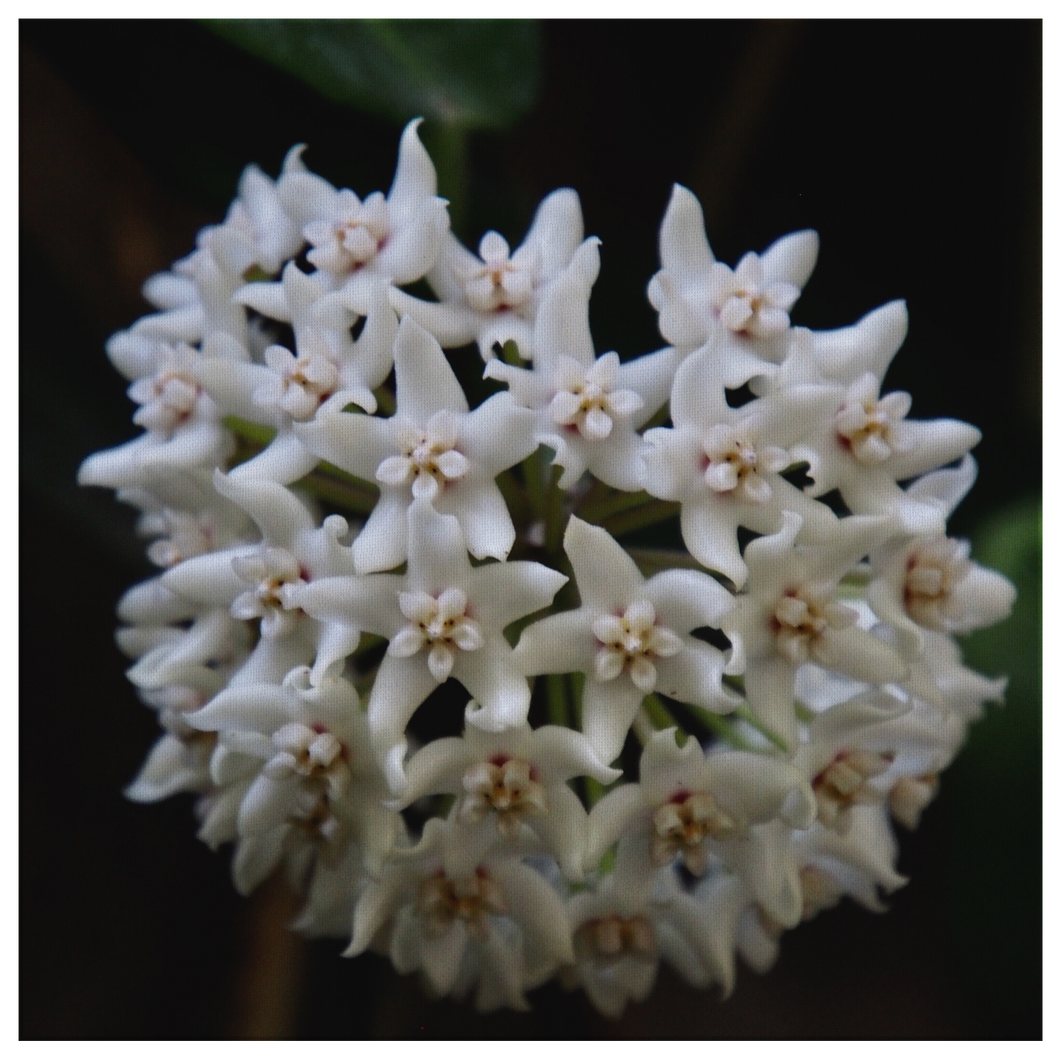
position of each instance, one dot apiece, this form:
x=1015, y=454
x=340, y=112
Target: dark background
x=912, y=147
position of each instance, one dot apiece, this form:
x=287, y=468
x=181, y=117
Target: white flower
x=251, y=581
x=698, y=297
x=864, y=446
x=183, y=425
x=931, y=583
x=631, y=636
x=724, y=464
x=358, y=245
x=443, y=618
x=432, y=448
x=513, y=782
x=621, y=931
x=257, y=229
x=464, y=915
x=790, y=615
x=731, y=809
x=314, y=761
x=588, y=409
x=493, y=298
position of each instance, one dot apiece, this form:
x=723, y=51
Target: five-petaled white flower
x=432, y=448
x=631, y=636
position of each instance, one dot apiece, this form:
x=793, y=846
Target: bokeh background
x=914, y=148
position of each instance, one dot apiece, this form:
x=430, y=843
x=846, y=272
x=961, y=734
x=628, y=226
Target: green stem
x=744, y=714
x=385, y=400
x=594, y=791
x=510, y=354
x=557, y=691
x=651, y=560
x=658, y=714
x=596, y=493
x=612, y=503
x=554, y=522
x=448, y=149
x=639, y=518
x=515, y=497
x=853, y=587
x=249, y=431
x=342, y=494
x=721, y=727
x=532, y=468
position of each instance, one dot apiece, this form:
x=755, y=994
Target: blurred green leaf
x=994, y=790
x=470, y=73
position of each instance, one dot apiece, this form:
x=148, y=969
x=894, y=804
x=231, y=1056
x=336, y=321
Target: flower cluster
x=659, y=753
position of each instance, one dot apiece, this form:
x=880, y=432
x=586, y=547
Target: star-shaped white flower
x=444, y=618
x=699, y=298
x=257, y=230
x=631, y=636
x=466, y=916
x=588, y=409
x=514, y=782
x=182, y=424
x=358, y=245
x=432, y=448
x=314, y=758
x=723, y=464
x=251, y=581
x=493, y=297
x=621, y=932
x=789, y=614
x=690, y=805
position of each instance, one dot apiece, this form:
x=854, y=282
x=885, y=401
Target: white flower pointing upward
x=358, y=245
x=494, y=297
x=326, y=371
x=432, y=448
x=698, y=297
x=588, y=408
x=724, y=464
x=789, y=615
x=631, y=636
x=443, y=618
x=251, y=581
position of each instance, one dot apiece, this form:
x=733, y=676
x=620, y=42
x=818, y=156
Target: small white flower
x=443, y=618
x=466, y=915
x=724, y=464
x=588, y=409
x=699, y=298
x=630, y=636
x=433, y=448
x=358, y=245
x=790, y=614
x=494, y=297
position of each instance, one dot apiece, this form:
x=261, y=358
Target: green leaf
x=993, y=792
x=474, y=73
